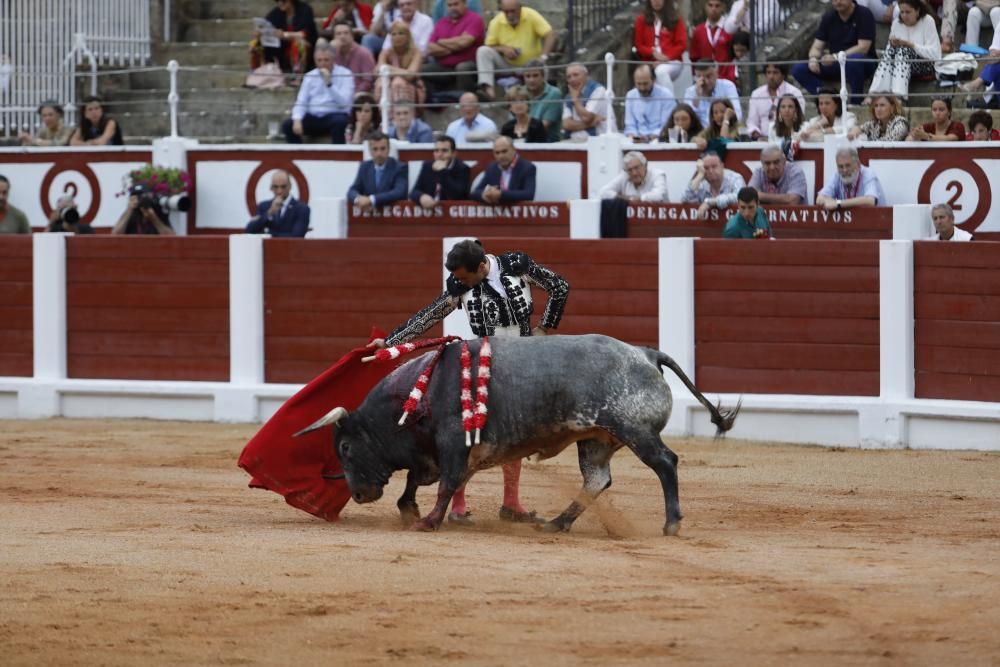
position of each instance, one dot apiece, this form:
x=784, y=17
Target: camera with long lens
x=148, y=200
x=66, y=208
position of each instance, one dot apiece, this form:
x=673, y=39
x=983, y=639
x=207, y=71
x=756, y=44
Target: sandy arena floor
x=138, y=543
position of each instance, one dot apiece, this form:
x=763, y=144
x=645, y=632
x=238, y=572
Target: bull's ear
x=332, y=417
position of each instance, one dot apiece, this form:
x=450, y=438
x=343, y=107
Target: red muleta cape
x=299, y=468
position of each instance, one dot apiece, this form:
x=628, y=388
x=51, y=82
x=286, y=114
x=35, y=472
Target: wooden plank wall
x=322, y=298
x=957, y=320
x=16, y=325
x=613, y=284
x=795, y=317
x=148, y=308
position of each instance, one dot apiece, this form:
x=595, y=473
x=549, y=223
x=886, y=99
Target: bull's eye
x=345, y=448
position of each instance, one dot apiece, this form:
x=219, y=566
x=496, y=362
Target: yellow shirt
x=527, y=36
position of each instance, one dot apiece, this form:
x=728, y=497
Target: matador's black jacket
x=489, y=310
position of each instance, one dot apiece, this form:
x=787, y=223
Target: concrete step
x=214, y=77
x=223, y=54
x=216, y=30
x=220, y=101
x=223, y=9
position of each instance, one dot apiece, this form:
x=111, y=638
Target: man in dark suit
x=282, y=216
x=443, y=178
x=509, y=178
x=381, y=180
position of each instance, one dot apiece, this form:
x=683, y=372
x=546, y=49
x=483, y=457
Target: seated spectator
x=296, y=27
x=283, y=215
x=710, y=42
x=887, y=122
x=65, y=218
x=981, y=127
x=510, y=178
x=471, y=125
x=143, y=215
x=638, y=182
x=707, y=87
x=586, y=109
x=357, y=16
x=53, y=131
x=988, y=80
x=778, y=181
x=384, y=14
x=763, y=105
x=683, y=126
x=515, y=36
x=786, y=127
x=944, y=225
x=444, y=178
x=712, y=186
x=767, y=15
x=407, y=127
x=750, y=221
x=96, y=127
x=404, y=61
x=522, y=125
x=452, y=48
x=832, y=118
x=381, y=180
x=366, y=117
x=324, y=101
x=884, y=11
x=660, y=37
x=974, y=20
x=942, y=128
x=913, y=48
x=439, y=10
x=546, y=100
x=721, y=129
x=12, y=219
x=854, y=185
x=357, y=59
x=420, y=26
x=845, y=27
x=646, y=106
x=739, y=55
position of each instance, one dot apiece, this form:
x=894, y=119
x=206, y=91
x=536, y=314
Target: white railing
x=117, y=30
x=43, y=41
x=35, y=36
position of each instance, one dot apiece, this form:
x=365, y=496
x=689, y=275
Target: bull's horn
x=331, y=417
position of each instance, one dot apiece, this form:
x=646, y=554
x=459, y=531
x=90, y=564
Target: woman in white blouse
x=832, y=118
x=913, y=47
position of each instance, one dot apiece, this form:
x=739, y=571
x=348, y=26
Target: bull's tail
x=723, y=419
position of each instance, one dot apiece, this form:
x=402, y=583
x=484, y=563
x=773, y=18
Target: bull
x=545, y=393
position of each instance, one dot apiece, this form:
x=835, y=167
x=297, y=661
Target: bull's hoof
x=424, y=526
x=672, y=529
x=553, y=527
x=461, y=519
x=507, y=514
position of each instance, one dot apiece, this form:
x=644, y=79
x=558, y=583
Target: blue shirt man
x=471, y=125
x=647, y=106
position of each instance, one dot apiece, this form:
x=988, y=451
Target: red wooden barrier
x=795, y=317
x=148, y=308
x=322, y=298
x=17, y=330
x=957, y=320
x=613, y=284
x=787, y=222
x=461, y=218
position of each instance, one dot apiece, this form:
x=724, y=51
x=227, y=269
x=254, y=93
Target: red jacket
x=673, y=44
x=701, y=48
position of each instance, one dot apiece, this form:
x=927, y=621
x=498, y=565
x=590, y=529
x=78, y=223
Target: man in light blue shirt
x=707, y=87
x=647, y=106
x=407, y=127
x=471, y=125
x=323, y=105
x=852, y=186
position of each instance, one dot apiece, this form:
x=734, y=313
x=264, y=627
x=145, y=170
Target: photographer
x=143, y=215
x=66, y=218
